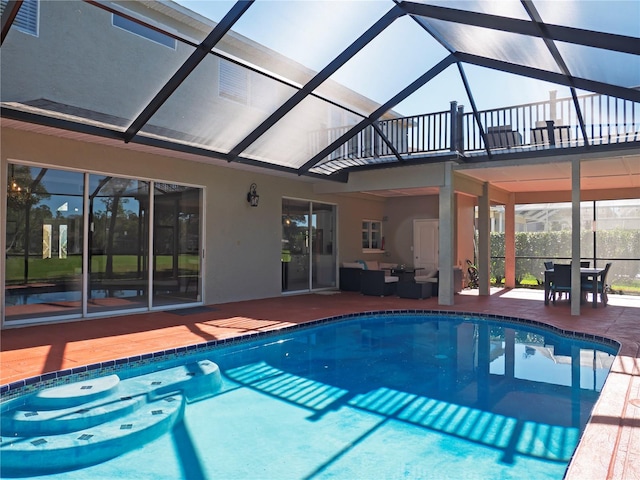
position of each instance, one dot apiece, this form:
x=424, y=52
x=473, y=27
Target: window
x=372, y=235
x=142, y=31
x=27, y=18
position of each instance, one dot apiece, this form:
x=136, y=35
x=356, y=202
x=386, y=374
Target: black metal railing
x=553, y=123
x=407, y=135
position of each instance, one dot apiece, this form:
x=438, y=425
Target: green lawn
x=49, y=269
x=629, y=287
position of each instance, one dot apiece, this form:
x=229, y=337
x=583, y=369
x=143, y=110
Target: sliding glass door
x=308, y=240
x=323, y=238
x=78, y=244
x=177, y=244
x=44, y=237
x=295, y=245
x=118, y=243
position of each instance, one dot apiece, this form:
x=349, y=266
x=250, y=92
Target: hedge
x=542, y=246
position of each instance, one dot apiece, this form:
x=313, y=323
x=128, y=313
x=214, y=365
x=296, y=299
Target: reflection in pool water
x=382, y=396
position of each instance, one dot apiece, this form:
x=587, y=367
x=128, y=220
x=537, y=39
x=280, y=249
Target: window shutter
x=27, y=18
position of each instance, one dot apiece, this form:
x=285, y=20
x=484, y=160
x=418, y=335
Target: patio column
x=446, y=238
x=510, y=242
x=484, y=247
x=575, y=237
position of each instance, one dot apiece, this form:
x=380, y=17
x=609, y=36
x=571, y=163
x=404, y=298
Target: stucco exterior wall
x=400, y=213
x=102, y=81
x=352, y=211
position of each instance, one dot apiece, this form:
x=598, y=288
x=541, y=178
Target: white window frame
x=368, y=229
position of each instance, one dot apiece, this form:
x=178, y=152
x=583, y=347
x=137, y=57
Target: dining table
x=592, y=274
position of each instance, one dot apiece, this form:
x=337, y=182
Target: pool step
x=92, y=445
x=75, y=393
x=29, y=421
x=65, y=427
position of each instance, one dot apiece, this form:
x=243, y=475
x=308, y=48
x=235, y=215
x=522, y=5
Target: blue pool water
x=371, y=397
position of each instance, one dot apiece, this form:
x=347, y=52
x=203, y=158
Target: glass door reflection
x=177, y=240
x=44, y=238
x=53, y=270
x=118, y=244
x=295, y=245
x=323, y=241
x=308, y=256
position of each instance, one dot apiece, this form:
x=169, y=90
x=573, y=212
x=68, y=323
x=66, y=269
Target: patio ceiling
x=615, y=172
x=609, y=176
x=361, y=62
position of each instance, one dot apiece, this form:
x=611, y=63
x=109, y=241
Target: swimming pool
x=402, y=395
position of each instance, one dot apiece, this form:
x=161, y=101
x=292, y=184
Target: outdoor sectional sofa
x=374, y=278
x=368, y=278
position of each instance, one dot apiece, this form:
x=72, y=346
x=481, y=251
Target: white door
x=425, y=244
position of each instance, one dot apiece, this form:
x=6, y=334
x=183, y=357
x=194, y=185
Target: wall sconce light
x=13, y=186
x=15, y=191
x=252, y=197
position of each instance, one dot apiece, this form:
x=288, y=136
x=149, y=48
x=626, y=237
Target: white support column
x=484, y=247
x=575, y=237
x=510, y=242
x=446, y=240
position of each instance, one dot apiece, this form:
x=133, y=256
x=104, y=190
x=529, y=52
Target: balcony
x=533, y=129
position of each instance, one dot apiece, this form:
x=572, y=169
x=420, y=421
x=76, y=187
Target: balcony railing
x=534, y=126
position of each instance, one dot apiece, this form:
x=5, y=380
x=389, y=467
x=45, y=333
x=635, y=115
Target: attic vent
x=234, y=82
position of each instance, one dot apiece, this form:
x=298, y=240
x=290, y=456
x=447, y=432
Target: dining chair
x=561, y=280
x=549, y=266
x=601, y=288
